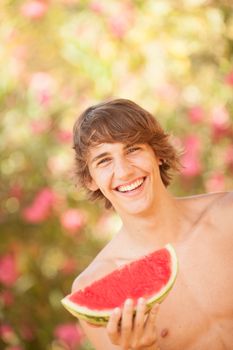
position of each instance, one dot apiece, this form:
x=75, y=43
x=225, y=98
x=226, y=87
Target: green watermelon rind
x=101, y=317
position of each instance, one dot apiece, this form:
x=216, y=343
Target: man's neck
x=164, y=224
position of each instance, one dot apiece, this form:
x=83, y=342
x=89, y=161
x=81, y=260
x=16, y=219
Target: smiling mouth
x=132, y=187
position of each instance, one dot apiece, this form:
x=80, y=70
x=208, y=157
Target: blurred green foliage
x=57, y=58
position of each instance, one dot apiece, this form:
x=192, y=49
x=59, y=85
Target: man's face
x=127, y=175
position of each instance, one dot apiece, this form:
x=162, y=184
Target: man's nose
x=123, y=168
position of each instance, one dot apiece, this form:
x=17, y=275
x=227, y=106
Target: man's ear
x=161, y=161
x=92, y=186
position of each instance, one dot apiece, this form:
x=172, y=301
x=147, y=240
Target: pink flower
x=27, y=332
x=16, y=191
x=192, y=144
x=5, y=329
x=220, y=122
x=43, y=85
x=70, y=334
x=8, y=270
x=96, y=7
x=229, y=157
x=118, y=26
x=41, y=207
x=168, y=92
x=72, y=220
x=192, y=166
x=196, y=114
x=215, y=183
x=7, y=297
x=34, y=9
x=191, y=158
x=121, y=20
x=7, y=332
x=69, y=266
x=229, y=78
x=220, y=116
x=40, y=126
x=64, y=136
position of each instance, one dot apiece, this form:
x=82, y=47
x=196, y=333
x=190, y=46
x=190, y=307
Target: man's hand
x=137, y=333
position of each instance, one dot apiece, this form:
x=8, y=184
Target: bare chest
x=198, y=312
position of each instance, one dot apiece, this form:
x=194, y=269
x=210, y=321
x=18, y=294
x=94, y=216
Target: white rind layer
x=78, y=310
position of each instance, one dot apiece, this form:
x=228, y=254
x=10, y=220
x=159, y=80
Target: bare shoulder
x=99, y=267
x=215, y=211
x=221, y=217
x=219, y=223
x=204, y=201
x=225, y=201
x=216, y=207
x=208, y=204
x=222, y=210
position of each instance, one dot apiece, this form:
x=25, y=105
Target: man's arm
x=134, y=333
x=98, y=337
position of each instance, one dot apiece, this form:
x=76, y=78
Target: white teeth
x=130, y=187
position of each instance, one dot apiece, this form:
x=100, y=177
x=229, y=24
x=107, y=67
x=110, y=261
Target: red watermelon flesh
x=150, y=277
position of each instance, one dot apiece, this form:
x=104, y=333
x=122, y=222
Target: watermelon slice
x=151, y=277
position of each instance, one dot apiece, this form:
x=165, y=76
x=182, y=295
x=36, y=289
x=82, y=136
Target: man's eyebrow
x=105, y=154
x=101, y=155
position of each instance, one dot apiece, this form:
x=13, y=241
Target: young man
x=124, y=157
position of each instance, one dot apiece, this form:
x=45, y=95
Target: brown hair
x=120, y=120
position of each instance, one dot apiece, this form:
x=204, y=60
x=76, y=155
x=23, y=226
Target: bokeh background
x=175, y=58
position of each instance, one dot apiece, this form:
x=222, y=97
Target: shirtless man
x=124, y=157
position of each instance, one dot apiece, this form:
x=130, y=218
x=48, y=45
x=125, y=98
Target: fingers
x=151, y=319
x=121, y=335
x=113, y=325
x=127, y=322
x=140, y=316
x=126, y=330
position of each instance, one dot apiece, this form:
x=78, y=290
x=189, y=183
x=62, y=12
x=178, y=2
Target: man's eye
x=133, y=149
x=102, y=161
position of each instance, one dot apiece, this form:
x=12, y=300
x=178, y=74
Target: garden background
x=175, y=58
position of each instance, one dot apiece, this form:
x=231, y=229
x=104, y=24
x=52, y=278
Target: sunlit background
x=57, y=57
